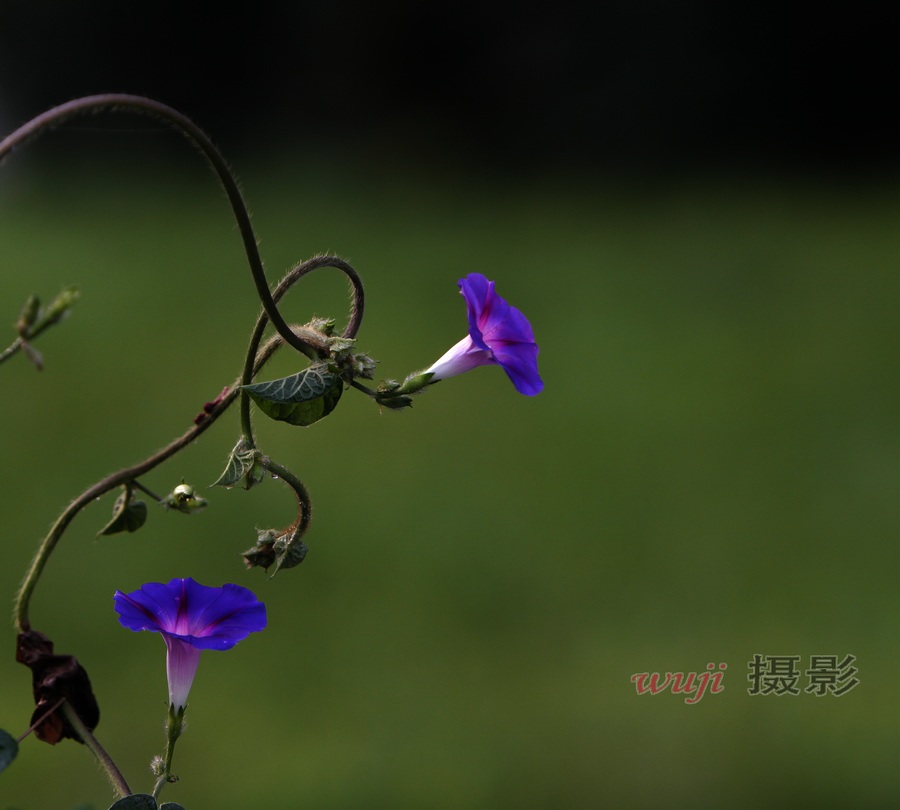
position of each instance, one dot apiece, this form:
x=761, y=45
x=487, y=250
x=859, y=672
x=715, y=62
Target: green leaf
x=8, y=749
x=33, y=355
x=301, y=399
x=136, y=801
x=306, y=385
x=128, y=514
x=289, y=552
x=240, y=462
x=58, y=307
x=341, y=344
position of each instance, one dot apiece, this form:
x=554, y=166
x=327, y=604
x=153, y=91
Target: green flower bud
x=59, y=306
x=184, y=499
x=28, y=316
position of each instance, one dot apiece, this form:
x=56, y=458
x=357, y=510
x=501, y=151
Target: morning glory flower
x=191, y=618
x=498, y=335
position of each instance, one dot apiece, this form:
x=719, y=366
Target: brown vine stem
x=116, y=479
x=315, y=341
x=120, y=101
x=115, y=775
x=298, y=339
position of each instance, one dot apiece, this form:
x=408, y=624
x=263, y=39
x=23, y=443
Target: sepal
x=394, y=395
x=361, y=365
x=281, y=548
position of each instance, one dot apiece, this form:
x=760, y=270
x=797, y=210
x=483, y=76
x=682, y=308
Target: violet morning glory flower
x=498, y=335
x=190, y=617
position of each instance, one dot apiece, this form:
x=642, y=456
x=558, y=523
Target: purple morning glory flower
x=191, y=617
x=498, y=335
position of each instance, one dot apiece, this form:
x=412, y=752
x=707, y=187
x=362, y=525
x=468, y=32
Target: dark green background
x=710, y=473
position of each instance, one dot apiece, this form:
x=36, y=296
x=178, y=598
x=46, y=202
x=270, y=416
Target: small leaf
x=8, y=749
x=128, y=515
x=255, y=475
x=281, y=548
x=289, y=553
x=33, y=355
x=58, y=307
x=341, y=344
x=240, y=462
x=136, y=801
x=301, y=399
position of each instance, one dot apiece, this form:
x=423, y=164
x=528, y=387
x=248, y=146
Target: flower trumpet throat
x=191, y=618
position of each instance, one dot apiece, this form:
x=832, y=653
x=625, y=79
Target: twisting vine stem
x=101, y=488
x=316, y=343
x=120, y=101
x=306, y=339
x=302, y=339
x=112, y=771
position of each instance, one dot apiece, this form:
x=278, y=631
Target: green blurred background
x=710, y=473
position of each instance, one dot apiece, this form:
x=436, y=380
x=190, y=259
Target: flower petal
x=519, y=361
x=205, y=617
x=480, y=299
x=504, y=331
x=149, y=608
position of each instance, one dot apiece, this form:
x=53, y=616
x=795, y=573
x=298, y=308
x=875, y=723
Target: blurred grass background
x=711, y=472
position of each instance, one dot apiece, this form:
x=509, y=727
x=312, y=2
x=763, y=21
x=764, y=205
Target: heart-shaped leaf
x=301, y=399
x=241, y=461
x=8, y=749
x=136, y=801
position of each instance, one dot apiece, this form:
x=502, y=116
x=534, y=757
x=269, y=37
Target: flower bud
x=184, y=499
x=28, y=316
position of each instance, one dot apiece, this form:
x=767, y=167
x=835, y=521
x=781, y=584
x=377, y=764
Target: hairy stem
x=115, y=775
x=116, y=479
x=304, y=504
x=120, y=101
x=174, y=729
x=113, y=102
x=314, y=343
x=126, y=475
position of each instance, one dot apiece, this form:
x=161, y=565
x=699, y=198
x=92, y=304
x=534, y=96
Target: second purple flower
x=190, y=617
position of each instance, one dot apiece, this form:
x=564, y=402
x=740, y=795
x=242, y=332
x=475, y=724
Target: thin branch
x=116, y=479
x=119, y=101
x=315, y=345
x=115, y=775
